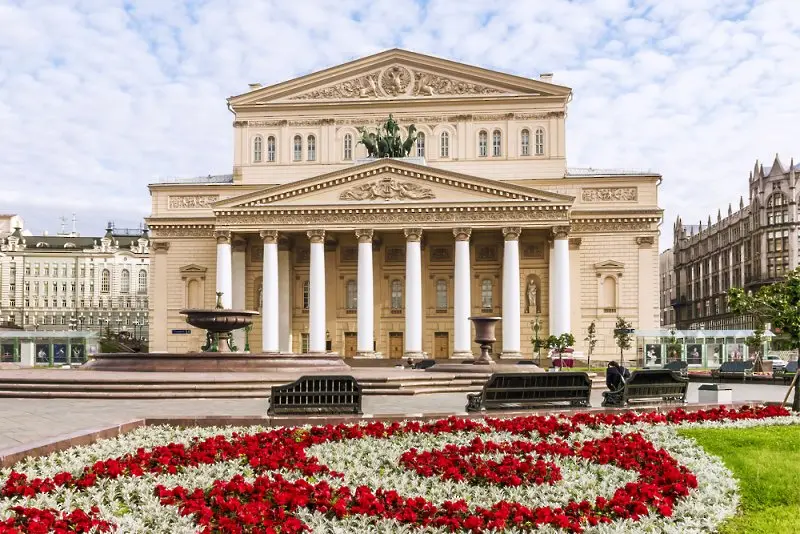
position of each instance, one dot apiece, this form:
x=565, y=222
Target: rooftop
x=210, y=179
x=591, y=171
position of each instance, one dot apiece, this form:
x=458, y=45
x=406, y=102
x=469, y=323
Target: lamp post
x=536, y=326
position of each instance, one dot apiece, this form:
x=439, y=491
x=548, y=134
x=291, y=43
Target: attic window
x=42, y=244
x=69, y=245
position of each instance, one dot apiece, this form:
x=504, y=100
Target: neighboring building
x=69, y=282
x=751, y=247
x=391, y=256
x=666, y=270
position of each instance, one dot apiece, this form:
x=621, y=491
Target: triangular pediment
x=609, y=265
x=397, y=74
x=391, y=182
x=193, y=268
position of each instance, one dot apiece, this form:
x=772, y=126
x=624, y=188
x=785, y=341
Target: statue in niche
x=533, y=293
x=259, y=296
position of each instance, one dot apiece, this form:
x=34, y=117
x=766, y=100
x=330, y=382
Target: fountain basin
x=213, y=362
x=219, y=320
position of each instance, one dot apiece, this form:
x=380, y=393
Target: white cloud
x=98, y=98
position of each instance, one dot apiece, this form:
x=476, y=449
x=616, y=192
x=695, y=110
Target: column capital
x=512, y=233
x=316, y=236
x=159, y=246
x=270, y=237
x=413, y=234
x=645, y=241
x=223, y=237
x=364, y=235
x=560, y=232
x=575, y=243
x=462, y=234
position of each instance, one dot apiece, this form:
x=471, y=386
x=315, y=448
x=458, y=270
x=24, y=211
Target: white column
x=413, y=335
x=365, y=299
x=269, y=292
x=284, y=299
x=511, y=293
x=559, y=271
x=224, y=268
x=316, y=292
x=238, y=269
x=462, y=344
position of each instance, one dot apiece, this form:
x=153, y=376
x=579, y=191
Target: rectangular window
x=483, y=144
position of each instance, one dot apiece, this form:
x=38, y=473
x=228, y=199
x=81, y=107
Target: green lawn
x=766, y=461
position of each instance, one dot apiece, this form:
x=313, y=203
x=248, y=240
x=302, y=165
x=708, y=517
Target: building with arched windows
x=389, y=257
x=753, y=246
x=71, y=282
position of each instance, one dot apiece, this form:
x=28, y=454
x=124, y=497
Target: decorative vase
x=484, y=336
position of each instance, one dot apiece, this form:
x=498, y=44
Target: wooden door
x=441, y=345
x=350, y=344
x=395, y=345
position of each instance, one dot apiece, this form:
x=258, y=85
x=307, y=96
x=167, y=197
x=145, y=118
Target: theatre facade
x=387, y=257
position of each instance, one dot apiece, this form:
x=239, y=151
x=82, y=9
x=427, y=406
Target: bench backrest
x=648, y=383
x=337, y=394
x=424, y=364
x=736, y=367
x=676, y=366
x=536, y=387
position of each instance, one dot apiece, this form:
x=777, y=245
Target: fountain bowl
x=219, y=320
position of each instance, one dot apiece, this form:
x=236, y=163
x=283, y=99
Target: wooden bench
x=660, y=385
x=743, y=370
x=680, y=367
x=506, y=391
x=787, y=373
x=316, y=394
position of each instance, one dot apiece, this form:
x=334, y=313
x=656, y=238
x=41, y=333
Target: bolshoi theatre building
x=387, y=257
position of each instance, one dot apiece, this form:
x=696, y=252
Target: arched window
x=525, y=143
x=125, y=282
x=777, y=209
x=105, y=281
x=420, y=145
x=441, y=295
x=486, y=295
x=483, y=144
x=397, y=295
x=609, y=295
x=305, y=294
x=348, y=147
x=257, y=148
x=496, y=140
x=270, y=148
x=351, y=295
x=444, y=145
x=538, y=142
x=298, y=148
x=143, y=281
x=312, y=148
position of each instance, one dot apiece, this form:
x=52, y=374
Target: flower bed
x=583, y=472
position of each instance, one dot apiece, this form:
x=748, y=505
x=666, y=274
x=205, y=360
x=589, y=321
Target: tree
x=777, y=304
x=558, y=344
x=591, y=340
x=623, y=336
x=755, y=344
x=674, y=347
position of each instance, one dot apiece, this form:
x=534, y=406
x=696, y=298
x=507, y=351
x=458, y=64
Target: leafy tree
x=674, y=347
x=559, y=343
x=755, y=345
x=623, y=339
x=591, y=341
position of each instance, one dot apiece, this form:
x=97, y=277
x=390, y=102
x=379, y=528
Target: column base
x=414, y=354
x=367, y=355
x=462, y=355
x=511, y=355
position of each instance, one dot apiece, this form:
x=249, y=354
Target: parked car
x=777, y=361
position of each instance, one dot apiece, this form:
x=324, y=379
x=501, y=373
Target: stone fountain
x=219, y=353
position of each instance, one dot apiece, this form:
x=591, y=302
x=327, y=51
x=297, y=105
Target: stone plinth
x=205, y=362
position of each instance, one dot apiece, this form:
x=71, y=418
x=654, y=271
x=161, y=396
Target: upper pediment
x=396, y=74
x=391, y=182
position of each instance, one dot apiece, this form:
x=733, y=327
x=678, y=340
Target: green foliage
x=559, y=343
x=624, y=341
x=766, y=461
x=674, y=347
x=591, y=337
x=778, y=304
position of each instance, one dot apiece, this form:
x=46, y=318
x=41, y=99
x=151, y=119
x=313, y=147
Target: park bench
x=680, y=367
x=531, y=390
x=787, y=373
x=739, y=369
x=660, y=385
x=424, y=364
x=316, y=394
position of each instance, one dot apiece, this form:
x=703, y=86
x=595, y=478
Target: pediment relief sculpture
x=388, y=189
x=394, y=81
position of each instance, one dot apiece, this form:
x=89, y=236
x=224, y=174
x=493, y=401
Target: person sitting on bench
x=616, y=375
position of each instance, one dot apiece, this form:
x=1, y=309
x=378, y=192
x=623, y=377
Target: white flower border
x=130, y=503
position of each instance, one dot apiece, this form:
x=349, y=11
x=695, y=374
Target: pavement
x=24, y=421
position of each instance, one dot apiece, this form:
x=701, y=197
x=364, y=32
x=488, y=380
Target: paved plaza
x=24, y=421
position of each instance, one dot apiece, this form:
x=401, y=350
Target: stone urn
x=484, y=336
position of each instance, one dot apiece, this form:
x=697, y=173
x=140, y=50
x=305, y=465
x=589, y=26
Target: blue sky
x=100, y=97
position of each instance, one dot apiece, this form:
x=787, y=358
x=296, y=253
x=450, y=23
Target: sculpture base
x=211, y=362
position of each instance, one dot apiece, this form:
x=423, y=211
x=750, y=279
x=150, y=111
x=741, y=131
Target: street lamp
x=536, y=343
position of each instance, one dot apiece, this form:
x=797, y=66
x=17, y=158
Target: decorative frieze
x=533, y=251
x=187, y=202
x=609, y=194
x=388, y=189
x=611, y=226
x=441, y=254
x=182, y=231
x=485, y=253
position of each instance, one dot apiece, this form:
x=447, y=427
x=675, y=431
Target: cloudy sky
x=100, y=97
